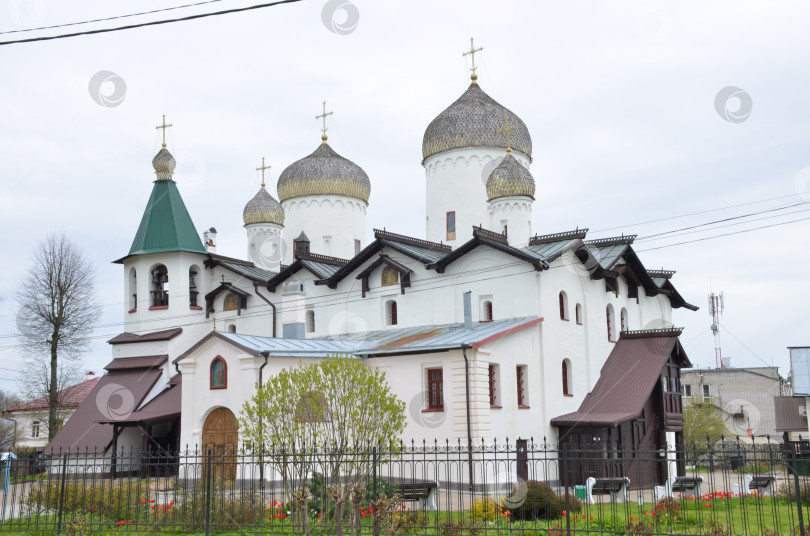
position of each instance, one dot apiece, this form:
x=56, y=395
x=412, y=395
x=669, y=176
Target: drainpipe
x=256, y=289
x=266, y=355
x=467, y=402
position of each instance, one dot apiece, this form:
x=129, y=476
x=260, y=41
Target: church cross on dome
x=164, y=126
x=262, y=170
x=506, y=130
x=323, y=116
x=471, y=53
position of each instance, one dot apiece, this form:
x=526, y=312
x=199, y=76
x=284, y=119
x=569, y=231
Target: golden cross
x=164, y=126
x=262, y=170
x=323, y=116
x=506, y=130
x=472, y=52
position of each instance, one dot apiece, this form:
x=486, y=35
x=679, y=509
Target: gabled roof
x=320, y=266
x=163, y=335
x=483, y=237
x=166, y=224
x=71, y=397
x=132, y=363
x=627, y=378
x=165, y=405
x=416, y=340
x=243, y=268
x=415, y=248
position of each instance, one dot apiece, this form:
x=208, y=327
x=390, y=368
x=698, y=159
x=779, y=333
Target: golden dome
x=263, y=208
x=510, y=178
x=164, y=164
x=324, y=172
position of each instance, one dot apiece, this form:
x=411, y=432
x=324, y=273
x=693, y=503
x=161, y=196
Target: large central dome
x=474, y=121
x=324, y=172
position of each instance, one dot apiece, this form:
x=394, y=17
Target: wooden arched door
x=220, y=439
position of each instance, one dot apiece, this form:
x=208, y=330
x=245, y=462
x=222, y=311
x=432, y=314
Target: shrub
x=411, y=522
x=119, y=500
x=462, y=527
x=540, y=502
x=487, y=509
x=788, y=490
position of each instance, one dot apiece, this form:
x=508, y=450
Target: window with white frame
x=706, y=393
x=687, y=390
x=35, y=429
x=435, y=389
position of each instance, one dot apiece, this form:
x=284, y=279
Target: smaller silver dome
x=510, y=178
x=263, y=208
x=164, y=164
x=324, y=172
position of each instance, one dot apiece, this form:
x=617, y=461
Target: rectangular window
x=451, y=225
x=35, y=429
x=494, y=395
x=522, y=387
x=356, y=247
x=435, y=386
x=687, y=390
x=706, y=394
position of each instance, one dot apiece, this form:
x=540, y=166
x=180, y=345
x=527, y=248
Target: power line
x=109, y=18
x=153, y=23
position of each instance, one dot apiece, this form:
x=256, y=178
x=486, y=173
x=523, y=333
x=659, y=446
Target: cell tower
x=716, y=307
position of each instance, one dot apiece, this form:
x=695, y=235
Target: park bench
x=615, y=487
x=689, y=485
x=423, y=491
x=762, y=484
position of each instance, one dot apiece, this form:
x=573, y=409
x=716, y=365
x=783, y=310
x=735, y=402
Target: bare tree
x=7, y=425
x=58, y=310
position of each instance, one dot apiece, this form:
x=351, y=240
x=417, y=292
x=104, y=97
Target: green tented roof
x=166, y=225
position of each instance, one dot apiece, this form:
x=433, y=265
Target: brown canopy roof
x=166, y=404
x=128, y=363
x=627, y=379
x=788, y=418
x=114, y=397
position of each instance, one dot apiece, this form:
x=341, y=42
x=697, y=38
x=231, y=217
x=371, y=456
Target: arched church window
x=579, y=313
x=193, y=291
x=219, y=373
x=611, y=323
x=389, y=277
x=563, y=306
x=487, y=312
x=310, y=321
x=625, y=320
x=451, y=225
x=391, y=313
x=232, y=328
x=566, y=378
x=160, y=286
x=231, y=302
x=133, y=290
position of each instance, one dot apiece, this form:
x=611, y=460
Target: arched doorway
x=220, y=439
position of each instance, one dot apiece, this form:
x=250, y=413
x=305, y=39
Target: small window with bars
x=435, y=388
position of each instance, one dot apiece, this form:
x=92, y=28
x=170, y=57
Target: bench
x=423, y=491
x=682, y=484
x=615, y=487
x=762, y=484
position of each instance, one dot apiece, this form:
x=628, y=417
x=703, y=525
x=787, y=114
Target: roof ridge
x=479, y=231
x=335, y=261
x=378, y=234
x=624, y=239
x=649, y=333
x=556, y=237
x=223, y=258
x=661, y=273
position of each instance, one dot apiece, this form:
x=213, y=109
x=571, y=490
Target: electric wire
x=151, y=23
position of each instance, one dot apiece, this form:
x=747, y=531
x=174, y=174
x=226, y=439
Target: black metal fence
x=522, y=487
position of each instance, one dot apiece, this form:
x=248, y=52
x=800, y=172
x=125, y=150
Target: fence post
x=374, y=471
x=798, y=488
x=62, y=495
x=565, y=486
x=208, y=493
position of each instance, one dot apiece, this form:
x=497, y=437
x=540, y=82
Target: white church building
x=483, y=328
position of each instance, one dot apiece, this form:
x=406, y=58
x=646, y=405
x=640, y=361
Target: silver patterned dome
x=164, y=164
x=510, y=178
x=263, y=208
x=324, y=172
x=474, y=121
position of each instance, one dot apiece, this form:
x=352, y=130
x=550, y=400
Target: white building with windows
x=482, y=327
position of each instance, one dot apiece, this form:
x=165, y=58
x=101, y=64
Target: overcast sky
x=619, y=97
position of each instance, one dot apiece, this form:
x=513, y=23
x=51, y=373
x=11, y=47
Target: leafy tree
x=319, y=416
x=58, y=310
x=702, y=420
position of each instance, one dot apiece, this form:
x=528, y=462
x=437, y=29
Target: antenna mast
x=716, y=307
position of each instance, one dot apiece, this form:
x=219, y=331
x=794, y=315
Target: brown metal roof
x=627, y=379
x=115, y=396
x=164, y=335
x=72, y=397
x=165, y=405
x=787, y=414
x=128, y=363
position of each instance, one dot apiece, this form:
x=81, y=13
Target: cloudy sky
x=620, y=99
